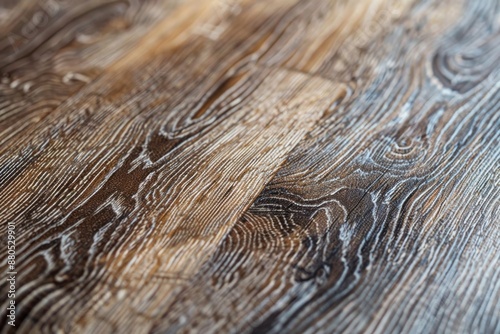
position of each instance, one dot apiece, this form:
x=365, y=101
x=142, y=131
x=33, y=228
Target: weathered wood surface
x=251, y=166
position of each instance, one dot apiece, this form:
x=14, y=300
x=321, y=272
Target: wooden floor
x=256, y=166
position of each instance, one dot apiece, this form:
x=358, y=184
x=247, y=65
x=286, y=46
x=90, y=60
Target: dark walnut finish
x=251, y=166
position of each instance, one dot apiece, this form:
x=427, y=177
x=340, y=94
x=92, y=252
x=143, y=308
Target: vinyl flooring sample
x=250, y=166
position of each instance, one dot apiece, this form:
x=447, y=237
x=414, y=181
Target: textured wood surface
x=251, y=166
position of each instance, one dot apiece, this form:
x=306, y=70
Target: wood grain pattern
x=251, y=166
